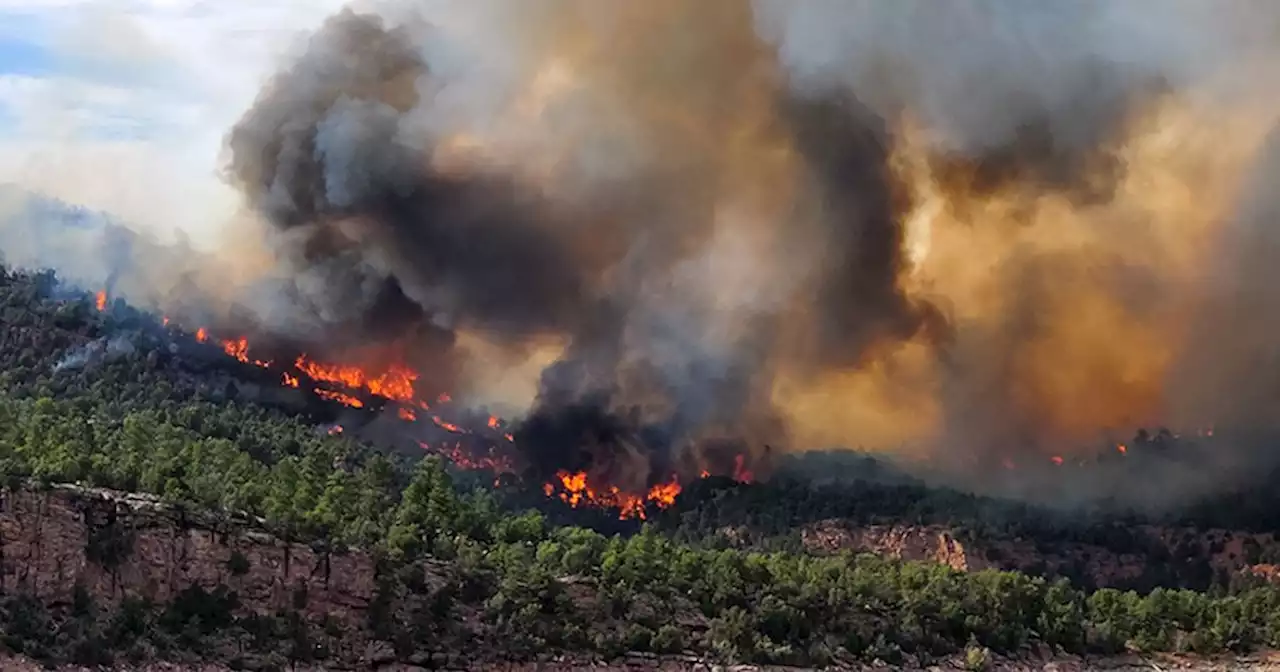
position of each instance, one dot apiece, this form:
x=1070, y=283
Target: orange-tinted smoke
x=1003, y=293
x=1067, y=298
x=1070, y=317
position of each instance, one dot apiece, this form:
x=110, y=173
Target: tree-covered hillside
x=520, y=580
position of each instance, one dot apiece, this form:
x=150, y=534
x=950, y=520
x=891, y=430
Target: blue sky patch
x=18, y=57
x=24, y=39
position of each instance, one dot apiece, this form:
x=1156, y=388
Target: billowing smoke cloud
x=1072, y=178
x=675, y=232
x=965, y=226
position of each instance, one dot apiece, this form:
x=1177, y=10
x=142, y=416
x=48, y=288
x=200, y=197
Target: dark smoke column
x=375, y=244
x=676, y=313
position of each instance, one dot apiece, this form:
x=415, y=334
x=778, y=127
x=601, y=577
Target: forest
x=536, y=576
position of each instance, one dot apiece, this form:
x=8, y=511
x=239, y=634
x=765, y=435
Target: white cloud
x=132, y=120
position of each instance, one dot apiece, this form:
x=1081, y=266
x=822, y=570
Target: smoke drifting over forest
x=968, y=228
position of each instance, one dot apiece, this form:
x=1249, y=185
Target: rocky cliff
x=67, y=547
x=115, y=545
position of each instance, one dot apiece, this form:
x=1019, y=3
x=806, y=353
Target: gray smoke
x=638, y=216
x=699, y=209
x=101, y=350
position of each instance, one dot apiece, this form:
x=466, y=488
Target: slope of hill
x=97, y=577
x=259, y=538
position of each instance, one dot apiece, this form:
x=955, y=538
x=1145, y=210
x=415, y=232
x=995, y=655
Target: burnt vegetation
x=724, y=573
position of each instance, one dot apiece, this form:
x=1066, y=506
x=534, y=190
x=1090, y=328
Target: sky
x=122, y=105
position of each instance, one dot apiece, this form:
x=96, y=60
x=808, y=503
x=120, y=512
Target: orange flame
x=1123, y=449
x=396, y=383
x=239, y=349
x=349, y=376
x=575, y=490
x=100, y=300
x=575, y=487
x=164, y=321
x=344, y=399
x=448, y=426
x=500, y=464
x=1057, y=459
x=664, y=494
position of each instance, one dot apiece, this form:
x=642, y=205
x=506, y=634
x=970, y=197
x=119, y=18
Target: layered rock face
x=121, y=545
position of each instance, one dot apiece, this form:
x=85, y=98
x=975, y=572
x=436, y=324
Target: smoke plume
x=677, y=232
x=978, y=227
